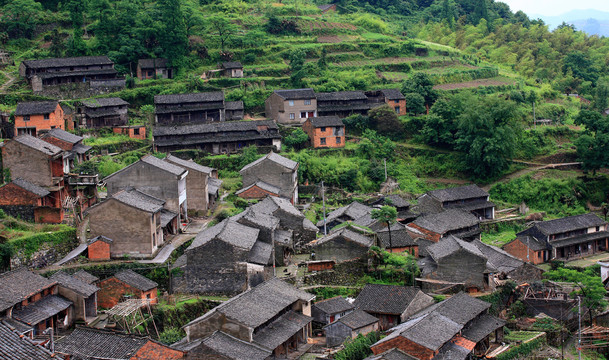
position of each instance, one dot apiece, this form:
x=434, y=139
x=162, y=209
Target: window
x=26, y=118
x=322, y=141
x=307, y=102
x=338, y=140
x=53, y=127
x=136, y=131
x=47, y=116
x=598, y=228
x=147, y=296
x=291, y=102
x=150, y=73
x=397, y=109
x=292, y=116
x=322, y=129
x=303, y=114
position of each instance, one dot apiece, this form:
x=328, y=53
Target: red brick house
x=99, y=248
x=457, y=222
x=133, y=131
x=32, y=117
x=529, y=249
x=325, y=131
x=126, y=283
x=30, y=202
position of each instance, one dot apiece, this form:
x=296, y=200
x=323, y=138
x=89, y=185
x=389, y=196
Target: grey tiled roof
x=212, y=129
x=326, y=121
x=296, y=94
x=69, y=61
x=357, y=319
x=482, y=327
x=229, y=231
x=449, y=245
x=35, y=108
x=213, y=185
x=103, y=102
x=452, y=219
x=232, y=65
x=134, y=200
x=399, y=237
x=397, y=201
x=260, y=304
x=432, y=331
x=461, y=308
x=17, y=325
x=152, y=63
x=42, y=309
x=341, y=96
x=214, y=96
x=569, y=223
x=353, y=211
x=262, y=185
x=33, y=188
x=233, y=105
x=75, y=284
x=458, y=193
x=532, y=242
x=188, y=164
x=393, y=354
x=393, y=94
x=452, y=351
x=334, y=305
x=281, y=329
x=346, y=233
x=283, y=161
x=100, y=238
x=166, y=217
x=37, y=144
x=63, y=135
x=235, y=349
x=258, y=218
x=260, y=253
x=90, y=343
x=85, y=276
x=13, y=346
x=385, y=299
x=498, y=258
x=20, y=284
x=135, y=280
x=163, y=165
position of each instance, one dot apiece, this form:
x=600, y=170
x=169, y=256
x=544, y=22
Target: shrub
x=358, y=348
x=170, y=335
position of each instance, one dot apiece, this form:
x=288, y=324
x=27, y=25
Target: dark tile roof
x=346, y=233
x=20, y=284
x=258, y=218
x=63, y=135
x=212, y=129
x=153, y=63
x=569, y=223
x=385, y=299
x=458, y=193
x=33, y=188
x=281, y=329
x=69, y=61
x=399, y=237
x=188, y=164
x=532, y=242
x=260, y=304
x=166, y=217
x=341, y=96
x=397, y=201
x=461, y=308
x=260, y=253
x=278, y=159
x=42, y=309
x=85, y=276
x=262, y=185
x=324, y=121
x=233, y=105
x=235, y=349
x=449, y=245
x=72, y=74
x=232, y=65
x=482, y=327
x=393, y=94
x=103, y=102
x=452, y=351
x=357, y=319
x=133, y=199
x=37, y=144
x=393, y=354
x=214, y=96
x=432, y=331
x=334, y=305
x=353, y=211
x=230, y=232
x=75, y=284
x=296, y=94
x=497, y=258
x=452, y=219
x=135, y=280
x=14, y=346
x=35, y=108
x=580, y=239
x=213, y=185
x=90, y=343
x=163, y=165
x=100, y=238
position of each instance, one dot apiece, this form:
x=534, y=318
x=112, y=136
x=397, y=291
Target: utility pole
x=534, y=118
x=528, y=260
x=385, y=162
x=323, y=199
x=579, y=330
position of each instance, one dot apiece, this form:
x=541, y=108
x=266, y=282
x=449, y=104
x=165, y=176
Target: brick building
x=325, y=131
x=529, y=249
x=327, y=311
x=455, y=222
x=292, y=106
x=27, y=201
x=154, y=69
x=99, y=248
x=82, y=295
x=102, y=112
x=125, y=283
x=133, y=131
x=196, y=182
x=70, y=143
x=342, y=103
x=186, y=109
x=470, y=198
x=399, y=240
x=273, y=175
x=350, y=326
x=351, y=212
x=32, y=117
x=392, y=97
x=347, y=243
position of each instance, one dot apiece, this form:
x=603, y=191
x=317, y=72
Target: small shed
x=99, y=248
x=232, y=69
x=350, y=326
x=329, y=310
x=133, y=131
x=126, y=283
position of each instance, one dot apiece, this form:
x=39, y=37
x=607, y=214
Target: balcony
x=82, y=180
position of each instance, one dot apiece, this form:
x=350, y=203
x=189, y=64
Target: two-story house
x=292, y=106
x=392, y=97
x=470, y=197
x=342, y=103
x=184, y=109
x=32, y=117
x=70, y=143
x=196, y=182
x=154, y=69
x=566, y=238
x=156, y=178
x=325, y=131
x=272, y=175
x=457, y=222
x=102, y=112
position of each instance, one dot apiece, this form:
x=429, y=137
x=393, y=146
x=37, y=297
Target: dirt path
x=533, y=168
x=9, y=82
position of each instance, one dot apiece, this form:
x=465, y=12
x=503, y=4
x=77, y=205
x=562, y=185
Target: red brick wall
x=48, y=215
x=150, y=294
x=321, y=266
x=38, y=121
x=406, y=346
x=112, y=290
x=57, y=167
x=64, y=145
x=99, y=250
x=12, y=194
x=400, y=103
x=429, y=235
x=518, y=249
x=408, y=249
x=154, y=351
x=255, y=193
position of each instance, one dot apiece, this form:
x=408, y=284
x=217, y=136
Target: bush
x=358, y=348
x=170, y=335
x=415, y=103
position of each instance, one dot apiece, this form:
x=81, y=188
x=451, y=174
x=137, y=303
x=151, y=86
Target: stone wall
x=347, y=274
x=23, y=212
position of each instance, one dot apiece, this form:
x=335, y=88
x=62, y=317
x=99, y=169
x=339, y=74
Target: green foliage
x=358, y=348
x=30, y=244
x=297, y=139
x=20, y=17
x=592, y=146
x=522, y=351
x=392, y=268
x=171, y=335
x=323, y=293
x=385, y=120
x=421, y=84
x=415, y=103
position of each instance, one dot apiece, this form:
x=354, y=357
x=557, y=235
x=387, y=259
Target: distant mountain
x=593, y=22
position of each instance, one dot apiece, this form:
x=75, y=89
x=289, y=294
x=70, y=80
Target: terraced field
x=496, y=81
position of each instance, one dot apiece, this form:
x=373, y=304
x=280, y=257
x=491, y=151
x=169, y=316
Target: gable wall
x=271, y=173
x=27, y=163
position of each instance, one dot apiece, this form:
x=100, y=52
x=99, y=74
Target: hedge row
x=31, y=244
x=464, y=75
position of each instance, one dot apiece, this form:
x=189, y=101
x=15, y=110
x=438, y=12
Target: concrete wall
x=462, y=267
x=196, y=190
x=337, y=333
x=274, y=174
x=27, y=163
x=77, y=300
x=340, y=249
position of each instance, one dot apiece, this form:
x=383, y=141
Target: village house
x=325, y=131
x=391, y=304
x=27, y=201
x=292, y=106
x=82, y=295
x=99, y=248
x=455, y=222
x=70, y=143
x=133, y=131
x=102, y=112
x=222, y=346
x=392, y=97
x=86, y=277
x=471, y=198
x=154, y=69
x=92, y=343
x=40, y=163
x=218, y=138
x=351, y=212
x=125, y=284
x=33, y=301
x=96, y=71
x=393, y=354
x=33, y=117
x=347, y=243
x=507, y=266
x=15, y=346
x=327, y=311
x=232, y=69
x=188, y=109
x=273, y=315
x=234, y=110
x=399, y=240
x=156, y=178
x=272, y=175
x=349, y=327
x=566, y=238
x=342, y=103
x=403, y=207
x=196, y=182
x=456, y=328
x=213, y=188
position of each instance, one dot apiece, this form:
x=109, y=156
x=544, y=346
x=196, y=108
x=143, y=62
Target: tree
x=297, y=72
x=388, y=215
x=297, y=139
x=20, y=17
x=223, y=29
x=322, y=63
x=385, y=120
x=76, y=44
x=592, y=146
x=421, y=84
x=601, y=94
x=415, y=103
x=173, y=38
